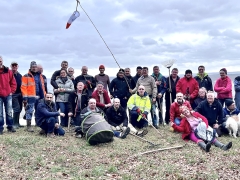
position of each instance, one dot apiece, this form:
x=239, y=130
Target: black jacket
x=18, y=78
x=84, y=79
x=205, y=82
x=119, y=88
x=132, y=82
x=173, y=88
x=73, y=99
x=212, y=113
x=135, y=78
x=45, y=82
x=117, y=117
x=54, y=78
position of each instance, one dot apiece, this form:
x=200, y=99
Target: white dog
x=233, y=125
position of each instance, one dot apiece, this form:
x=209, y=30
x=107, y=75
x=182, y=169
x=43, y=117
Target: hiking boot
x=29, y=127
x=205, y=147
x=12, y=130
x=42, y=132
x=156, y=126
x=125, y=132
x=142, y=132
x=1, y=132
x=223, y=146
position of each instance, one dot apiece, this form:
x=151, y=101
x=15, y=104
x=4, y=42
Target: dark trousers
x=222, y=101
x=49, y=127
x=123, y=102
x=17, y=103
x=139, y=124
x=64, y=109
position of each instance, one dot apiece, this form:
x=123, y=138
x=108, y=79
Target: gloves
x=144, y=116
x=138, y=111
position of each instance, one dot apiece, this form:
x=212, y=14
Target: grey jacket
x=69, y=88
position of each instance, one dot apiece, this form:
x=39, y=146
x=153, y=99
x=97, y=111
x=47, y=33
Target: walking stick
x=152, y=126
x=69, y=121
x=162, y=149
x=143, y=139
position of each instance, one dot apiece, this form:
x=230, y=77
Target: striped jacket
x=28, y=87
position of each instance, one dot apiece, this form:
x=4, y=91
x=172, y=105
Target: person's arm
x=95, y=96
x=24, y=87
x=181, y=127
x=70, y=88
x=45, y=112
x=217, y=88
x=108, y=81
x=13, y=83
x=130, y=103
x=236, y=85
x=210, y=86
x=199, y=107
x=163, y=86
x=53, y=80
x=106, y=97
x=172, y=112
x=111, y=88
x=178, y=86
x=154, y=88
x=228, y=88
x=195, y=91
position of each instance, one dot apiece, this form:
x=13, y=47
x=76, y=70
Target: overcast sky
x=139, y=32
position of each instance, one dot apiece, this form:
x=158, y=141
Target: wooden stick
x=162, y=149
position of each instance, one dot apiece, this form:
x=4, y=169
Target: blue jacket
x=226, y=112
x=45, y=111
x=163, y=86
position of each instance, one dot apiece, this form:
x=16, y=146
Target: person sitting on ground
x=229, y=110
x=103, y=77
x=77, y=101
x=47, y=117
x=195, y=127
x=139, y=105
x=62, y=94
x=91, y=108
x=175, y=108
x=201, y=97
x=102, y=97
x=117, y=116
x=212, y=109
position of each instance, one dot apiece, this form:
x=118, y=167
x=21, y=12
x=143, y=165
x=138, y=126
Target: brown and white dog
x=233, y=125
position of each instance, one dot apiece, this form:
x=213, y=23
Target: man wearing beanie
x=188, y=86
x=223, y=87
x=33, y=90
x=103, y=77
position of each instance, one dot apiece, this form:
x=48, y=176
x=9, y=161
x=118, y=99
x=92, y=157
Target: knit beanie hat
x=101, y=67
x=188, y=71
x=33, y=63
x=224, y=70
x=229, y=102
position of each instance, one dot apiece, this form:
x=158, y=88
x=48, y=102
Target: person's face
x=222, y=74
x=40, y=69
x=100, y=87
x=80, y=86
x=84, y=70
x=101, y=70
x=120, y=74
x=179, y=97
x=63, y=74
x=1, y=62
x=210, y=98
x=14, y=67
x=49, y=97
x=70, y=71
x=156, y=70
x=201, y=70
x=34, y=68
x=141, y=90
x=201, y=93
x=92, y=104
x=188, y=75
x=64, y=66
x=174, y=73
x=186, y=112
x=232, y=107
x=116, y=103
x=139, y=72
x=145, y=72
x=127, y=72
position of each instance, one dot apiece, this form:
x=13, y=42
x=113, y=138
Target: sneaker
x=42, y=132
x=125, y=133
x=142, y=133
x=11, y=130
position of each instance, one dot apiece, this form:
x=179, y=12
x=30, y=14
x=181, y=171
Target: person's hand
x=159, y=95
x=10, y=94
x=144, y=116
x=56, y=125
x=62, y=114
x=138, y=111
x=153, y=100
x=130, y=90
x=70, y=114
x=215, y=126
x=89, y=82
x=171, y=123
x=109, y=105
x=158, y=83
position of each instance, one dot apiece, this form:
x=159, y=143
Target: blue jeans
x=177, y=121
x=32, y=104
x=139, y=124
x=49, y=127
x=64, y=109
x=7, y=102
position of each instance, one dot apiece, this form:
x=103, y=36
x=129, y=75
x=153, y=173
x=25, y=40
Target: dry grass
x=31, y=156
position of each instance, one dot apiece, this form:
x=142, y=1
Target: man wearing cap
x=8, y=86
x=40, y=70
x=188, y=86
x=56, y=74
x=103, y=77
x=223, y=87
x=33, y=90
x=119, y=88
x=88, y=80
x=101, y=95
x=17, y=96
x=138, y=74
x=203, y=79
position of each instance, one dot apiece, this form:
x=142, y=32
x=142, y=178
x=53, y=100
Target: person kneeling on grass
x=47, y=117
x=90, y=110
x=195, y=127
x=139, y=105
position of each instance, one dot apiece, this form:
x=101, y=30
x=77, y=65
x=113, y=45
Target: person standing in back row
x=138, y=75
x=203, y=79
x=103, y=77
x=40, y=70
x=64, y=65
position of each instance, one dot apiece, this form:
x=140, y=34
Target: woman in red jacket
x=188, y=128
x=223, y=87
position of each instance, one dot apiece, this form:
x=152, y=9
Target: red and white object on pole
x=74, y=16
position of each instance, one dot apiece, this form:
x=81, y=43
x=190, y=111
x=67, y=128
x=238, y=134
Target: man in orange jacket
x=32, y=91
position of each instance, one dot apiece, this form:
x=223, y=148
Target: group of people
x=138, y=95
